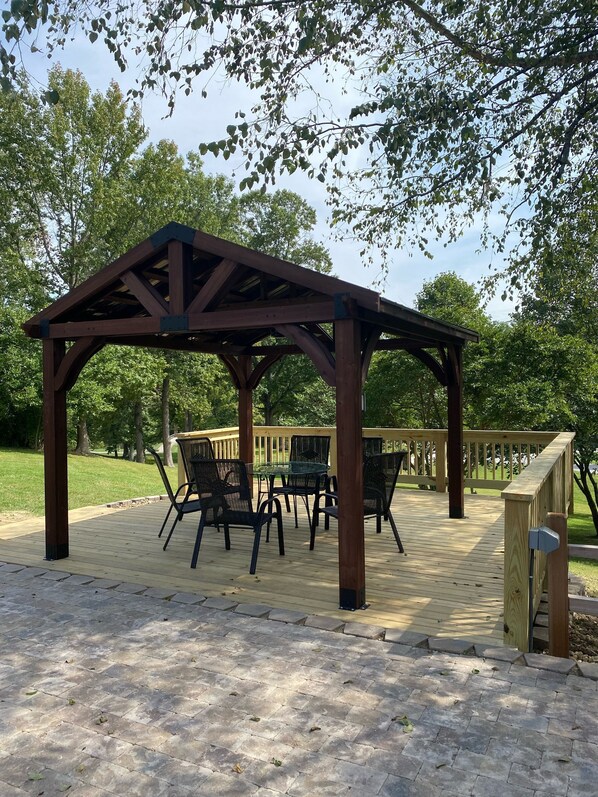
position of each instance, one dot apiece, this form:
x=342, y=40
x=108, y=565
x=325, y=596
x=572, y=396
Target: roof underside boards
x=232, y=299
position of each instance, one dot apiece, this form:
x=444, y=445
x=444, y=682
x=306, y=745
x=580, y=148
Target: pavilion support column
x=55, y=451
x=351, y=543
x=245, y=411
x=456, y=479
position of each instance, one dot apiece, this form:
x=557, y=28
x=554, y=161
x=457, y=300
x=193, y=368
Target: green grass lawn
x=92, y=480
x=582, y=532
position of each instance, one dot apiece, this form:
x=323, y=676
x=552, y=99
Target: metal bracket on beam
x=174, y=323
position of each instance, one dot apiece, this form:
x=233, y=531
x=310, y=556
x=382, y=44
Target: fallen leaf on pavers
x=233, y=694
x=277, y=762
x=444, y=672
x=81, y=768
x=71, y=702
x=34, y=776
x=475, y=671
x=64, y=787
x=347, y=682
x=238, y=769
x=405, y=722
x=254, y=719
x=31, y=692
x=101, y=720
x=439, y=766
x=564, y=760
x=314, y=728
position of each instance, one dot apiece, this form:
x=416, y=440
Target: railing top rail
x=528, y=483
x=228, y=430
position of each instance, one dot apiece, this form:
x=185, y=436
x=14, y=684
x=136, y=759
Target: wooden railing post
x=558, y=588
x=440, y=445
x=516, y=587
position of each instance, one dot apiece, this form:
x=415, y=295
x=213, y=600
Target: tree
x=462, y=108
x=563, y=296
x=401, y=391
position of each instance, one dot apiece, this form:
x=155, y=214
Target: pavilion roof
x=182, y=288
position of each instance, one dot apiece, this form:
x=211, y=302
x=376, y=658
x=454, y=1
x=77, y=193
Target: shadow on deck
x=449, y=584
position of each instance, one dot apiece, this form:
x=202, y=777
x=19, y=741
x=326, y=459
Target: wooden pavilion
x=186, y=290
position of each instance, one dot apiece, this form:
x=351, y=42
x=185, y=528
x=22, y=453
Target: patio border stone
x=253, y=609
x=396, y=638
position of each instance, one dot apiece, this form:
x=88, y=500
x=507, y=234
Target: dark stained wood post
x=351, y=543
x=55, y=450
x=245, y=411
x=456, y=477
x=557, y=564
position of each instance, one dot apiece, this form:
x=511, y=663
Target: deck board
x=449, y=584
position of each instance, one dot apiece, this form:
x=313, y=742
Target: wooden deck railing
x=545, y=486
x=492, y=459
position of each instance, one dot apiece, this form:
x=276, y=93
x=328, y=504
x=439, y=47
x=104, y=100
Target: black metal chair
x=190, y=447
x=372, y=445
x=225, y=501
x=369, y=447
x=380, y=474
x=304, y=448
x=182, y=504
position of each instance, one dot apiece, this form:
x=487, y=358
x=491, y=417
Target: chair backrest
x=380, y=473
x=163, y=474
x=223, y=485
x=371, y=445
x=190, y=447
x=310, y=448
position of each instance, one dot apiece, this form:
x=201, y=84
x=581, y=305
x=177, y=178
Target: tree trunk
x=166, y=422
x=128, y=452
x=585, y=476
x=82, y=438
x=268, y=410
x=188, y=421
x=139, y=455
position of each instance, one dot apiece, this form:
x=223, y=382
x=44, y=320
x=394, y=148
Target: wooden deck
x=450, y=583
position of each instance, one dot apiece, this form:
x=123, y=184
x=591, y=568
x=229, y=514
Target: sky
x=195, y=120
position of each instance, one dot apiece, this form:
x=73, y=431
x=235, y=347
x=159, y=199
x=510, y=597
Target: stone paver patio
x=105, y=691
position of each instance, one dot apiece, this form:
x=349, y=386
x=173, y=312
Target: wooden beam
x=245, y=412
x=351, y=543
x=237, y=373
x=180, y=277
x=456, y=477
x=74, y=360
x=55, y=451
x=584, y=551
x=557, y=566
x=305, y=278
x=314, y=348
x=146, y=293
x=252, y=317
x=215, y=288
x=262, y=368
x=426, y=358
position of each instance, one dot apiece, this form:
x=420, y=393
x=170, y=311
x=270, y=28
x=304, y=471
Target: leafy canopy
x=466, y=108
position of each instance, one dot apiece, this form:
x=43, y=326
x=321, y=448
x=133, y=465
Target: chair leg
x=256, y=547
x=295, y=508
x=226, y=537
x=280, y=534
x=393, y=526
x=200, y=529
x=176, y=520
x=165, y=521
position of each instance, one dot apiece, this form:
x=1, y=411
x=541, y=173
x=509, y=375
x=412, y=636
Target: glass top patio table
x=267, y=469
